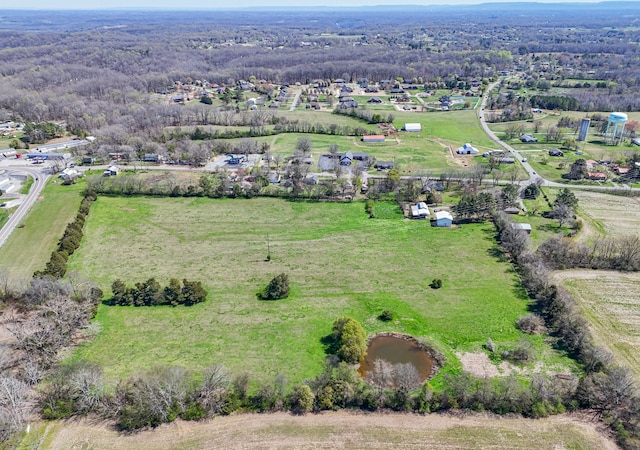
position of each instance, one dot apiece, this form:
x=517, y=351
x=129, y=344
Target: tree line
x=151, y=293
x=69, y=242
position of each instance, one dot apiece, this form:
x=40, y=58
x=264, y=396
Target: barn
x=467, y=149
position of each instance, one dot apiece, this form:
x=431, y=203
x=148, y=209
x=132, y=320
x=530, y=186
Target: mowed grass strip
x=28, y=248
x=331, y=430
x=338, y=260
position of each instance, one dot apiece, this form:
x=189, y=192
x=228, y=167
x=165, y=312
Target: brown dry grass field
x=335, y=430
x=610, y=300
x=611, y=304
x=613, y=215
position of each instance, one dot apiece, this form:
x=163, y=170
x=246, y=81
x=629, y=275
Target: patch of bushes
x=386, y=315
x=436, y=283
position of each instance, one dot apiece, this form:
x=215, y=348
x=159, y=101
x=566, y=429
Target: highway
x=40, y=180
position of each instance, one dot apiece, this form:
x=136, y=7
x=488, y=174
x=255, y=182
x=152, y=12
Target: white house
x=467, y=149
x=419, y=211
x=444, y=219
x=413, y=127
x=69, y=173
x=112, y=171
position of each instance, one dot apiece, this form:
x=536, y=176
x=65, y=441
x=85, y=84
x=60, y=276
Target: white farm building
x=467, y=149
x=412, y=127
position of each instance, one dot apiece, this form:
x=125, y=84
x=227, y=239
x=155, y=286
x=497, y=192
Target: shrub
x=386, y=315
x=277, y=288
x=436, y=283
x=521, y=353
x=531, y=324
x=370, y=208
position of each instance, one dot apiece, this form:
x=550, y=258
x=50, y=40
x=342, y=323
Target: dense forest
x=98, y=70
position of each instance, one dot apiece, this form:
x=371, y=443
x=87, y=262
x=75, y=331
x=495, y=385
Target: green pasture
x=339, y=262
x=29, y=246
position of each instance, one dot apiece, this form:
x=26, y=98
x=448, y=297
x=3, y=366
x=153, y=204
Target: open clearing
x=611, y=303
x=339, y=262
x=336, y=430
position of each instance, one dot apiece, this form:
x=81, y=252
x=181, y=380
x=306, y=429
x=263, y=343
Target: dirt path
x=341, y=430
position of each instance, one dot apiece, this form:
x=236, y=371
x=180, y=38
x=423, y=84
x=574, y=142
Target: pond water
x=394, y=361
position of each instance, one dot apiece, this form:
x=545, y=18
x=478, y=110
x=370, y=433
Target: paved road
x=533, y=176
x=40, y=180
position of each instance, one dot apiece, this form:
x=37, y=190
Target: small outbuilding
x=419, y=211
x=443, y=219
x=556, y=152
x=412, y=127
x=522, y=226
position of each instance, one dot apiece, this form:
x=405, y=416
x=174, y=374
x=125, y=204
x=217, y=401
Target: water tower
x=615, y=128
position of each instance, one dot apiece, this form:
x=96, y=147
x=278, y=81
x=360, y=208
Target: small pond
x=394, y=360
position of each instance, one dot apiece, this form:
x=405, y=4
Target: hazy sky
x=177, y=4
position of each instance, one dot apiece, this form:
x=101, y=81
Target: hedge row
x=69, y=242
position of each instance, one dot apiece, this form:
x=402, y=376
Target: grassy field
x=336, y=430
x=339, y=262
x=29, y=247
x=611, y=304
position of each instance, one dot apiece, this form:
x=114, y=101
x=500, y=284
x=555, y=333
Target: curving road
x=533, y=176
x=39, y=181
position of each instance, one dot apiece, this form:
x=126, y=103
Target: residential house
x=556, y=152
x=597, y=176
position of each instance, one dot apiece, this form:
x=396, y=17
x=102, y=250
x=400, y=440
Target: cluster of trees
x=555, y=102
x=368, y=116
x=38, y=133
x=476, y=206
x=151, y=293
x=606, y=386
x=69, y=242
x=42, y=318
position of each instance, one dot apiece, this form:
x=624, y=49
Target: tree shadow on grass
x=330, y=344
